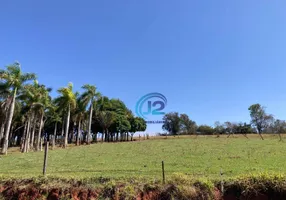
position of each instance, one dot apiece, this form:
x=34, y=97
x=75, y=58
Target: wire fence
x=61, y=163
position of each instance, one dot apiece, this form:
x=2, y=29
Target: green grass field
x=203, y=156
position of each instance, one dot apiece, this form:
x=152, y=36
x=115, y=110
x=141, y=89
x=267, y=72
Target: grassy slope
x=200, y=157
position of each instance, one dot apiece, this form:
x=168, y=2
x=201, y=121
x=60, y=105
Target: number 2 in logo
x=156, y=110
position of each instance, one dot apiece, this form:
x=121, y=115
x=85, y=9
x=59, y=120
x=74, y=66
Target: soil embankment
x=54, y=189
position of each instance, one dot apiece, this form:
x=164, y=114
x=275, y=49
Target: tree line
x=28, y=114
x=261, y=122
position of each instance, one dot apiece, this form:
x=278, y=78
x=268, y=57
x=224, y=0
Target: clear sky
x=211, y=59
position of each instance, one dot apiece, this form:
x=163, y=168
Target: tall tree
x=79, y=115
x=242, y=128
x=229, y=128
x=105, y=119
x=172, y=123
x=53, y=119
x=279, y=126
x=66, y=100
x=123, y=126
x=15, y=79
x=122, y=119
x=89, y=96
x=259, y=118
x=137, y=124
x=96, y=127
x=205, y=129
x=187, y=125
x=5, y=102
x=219, y=128
x=37, y=98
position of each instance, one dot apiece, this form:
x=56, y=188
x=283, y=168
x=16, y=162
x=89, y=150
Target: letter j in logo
x=151, y=107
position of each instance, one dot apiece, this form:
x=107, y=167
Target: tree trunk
x=2, y=134
x=40, y=132
x=8, y=125
x=2, y=131
x=11, y=139
x=18, y=141
x=32, y=137
x=89, y=123
x=95, y=137
x=32, y=142
x=63, y=127
x=102, y=136
x=27, y=136
x=54, y=136
x=259, y=129
x=78, y=133
x=67, y=127
x=127, y=135
x=260, y=135
x=107, y=135
x=41, y=144
x=111, y=137
x=23, y=138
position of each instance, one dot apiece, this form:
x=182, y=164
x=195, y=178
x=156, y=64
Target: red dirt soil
x=10, y=191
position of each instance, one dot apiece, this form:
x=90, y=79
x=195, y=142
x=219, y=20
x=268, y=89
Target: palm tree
x=5, y=102
x=15, y=79
x=79, y=116
x=66, y=100
x=43, y=104
x=53, y=118
x=29, y=99
x=89, y=97
x=37, y=99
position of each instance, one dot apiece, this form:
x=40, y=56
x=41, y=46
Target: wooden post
x=221, y=181
x=46, y=158
x=163, y=172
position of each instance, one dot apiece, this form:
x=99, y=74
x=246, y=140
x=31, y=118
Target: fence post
x=221, y=181
x=163, y=172
x=46, y=157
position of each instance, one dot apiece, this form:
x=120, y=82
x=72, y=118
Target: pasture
x=202, y=156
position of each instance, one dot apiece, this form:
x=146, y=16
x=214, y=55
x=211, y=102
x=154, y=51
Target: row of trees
x=28, y=114
x=261, y=122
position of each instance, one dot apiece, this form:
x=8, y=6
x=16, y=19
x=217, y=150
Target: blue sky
x=211, y=59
